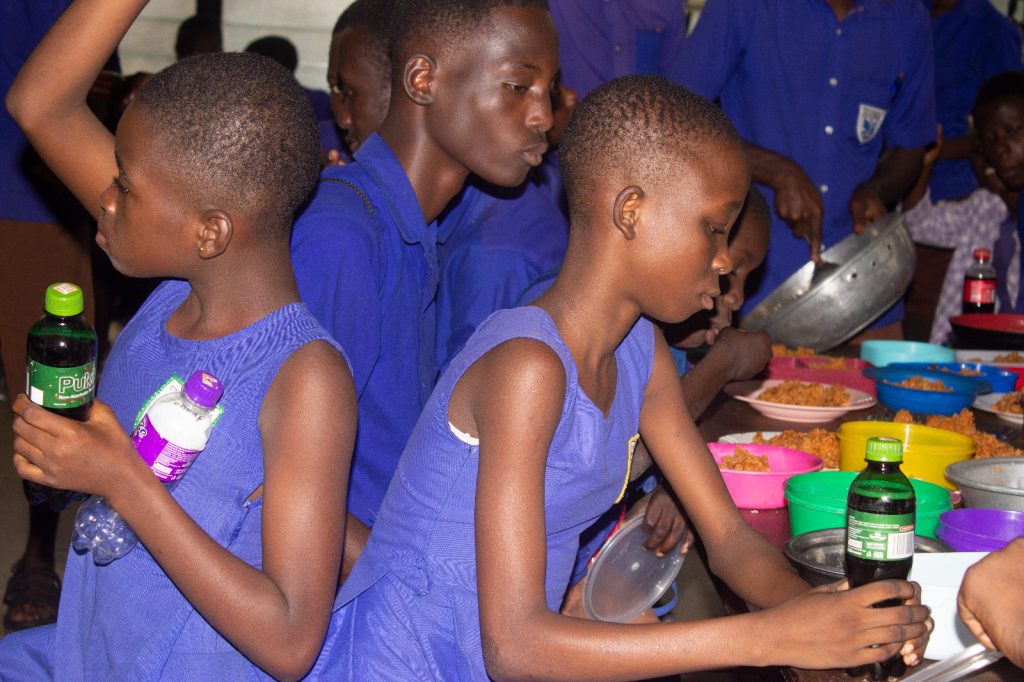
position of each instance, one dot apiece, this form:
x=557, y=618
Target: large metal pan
x=821, y=310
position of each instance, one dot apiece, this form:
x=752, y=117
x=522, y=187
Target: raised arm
x=48, y=98
x=276, y=616
x=797, y=199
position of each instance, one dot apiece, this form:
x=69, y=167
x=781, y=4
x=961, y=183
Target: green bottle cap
x=884, y=450
x=64, y=299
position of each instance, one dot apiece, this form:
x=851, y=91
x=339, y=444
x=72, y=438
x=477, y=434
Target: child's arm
x=991, y=601
x=277, y=617
x=48, y=98
x=512, y=399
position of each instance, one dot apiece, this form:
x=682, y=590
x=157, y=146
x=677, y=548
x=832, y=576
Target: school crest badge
x=869, y=122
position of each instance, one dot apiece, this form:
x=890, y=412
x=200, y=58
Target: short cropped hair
x=1000, y=86
x=640, y=124
x=444, y=21
x=278, y=48
x=240, y=133
x=375, y=16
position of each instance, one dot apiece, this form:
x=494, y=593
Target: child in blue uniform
x=365, y=250
x=528, y=438
x=237, y=569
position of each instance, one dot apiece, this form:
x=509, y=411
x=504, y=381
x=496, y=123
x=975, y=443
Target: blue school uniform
x=496, y=241
x=366, y=265
x=973, y=42
x=827, y=94
x=127, y=620
x=410, y=606
x=601, y=41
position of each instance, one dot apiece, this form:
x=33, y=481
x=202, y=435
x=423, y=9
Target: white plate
x=987, y=403
x=748, y=392
x=940, y=575
x=987, y=356
x=746, y=436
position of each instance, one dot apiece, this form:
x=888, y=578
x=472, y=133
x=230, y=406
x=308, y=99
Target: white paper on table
x=940, y=575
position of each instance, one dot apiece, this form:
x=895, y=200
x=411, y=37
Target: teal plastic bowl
x=881, y=352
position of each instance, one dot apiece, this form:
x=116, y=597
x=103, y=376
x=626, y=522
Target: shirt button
x=823, y=188
x=833, y=81
x=617, y=48
x=829, y=130
x=839, y=31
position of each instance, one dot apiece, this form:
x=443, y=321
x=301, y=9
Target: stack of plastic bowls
x=883, y=352
x=979, y=530
x=818, y=500
x=927, y=451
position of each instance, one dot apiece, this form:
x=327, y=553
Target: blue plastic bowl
x=1001, y=380
x=882, y=352
x=927, y=402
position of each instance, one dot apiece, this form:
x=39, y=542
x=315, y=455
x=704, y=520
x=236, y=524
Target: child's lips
x=535, y=154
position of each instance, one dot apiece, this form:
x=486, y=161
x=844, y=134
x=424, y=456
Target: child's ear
x=418, y=78
x=627, y=210
x=215, y=234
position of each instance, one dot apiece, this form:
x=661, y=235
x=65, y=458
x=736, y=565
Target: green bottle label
x=60, y=388
x=879, y=537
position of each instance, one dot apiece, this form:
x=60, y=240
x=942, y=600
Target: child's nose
x=722, y=262
x=108, y=198
x=541, y=119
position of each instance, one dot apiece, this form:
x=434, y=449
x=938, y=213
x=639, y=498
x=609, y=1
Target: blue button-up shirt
x=366, y=264
x=973, y=42
x=497, y=241
x=827, y=94
x=599, y=40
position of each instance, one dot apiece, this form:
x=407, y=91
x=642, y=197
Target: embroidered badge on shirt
x=631, y=447
x=869, y=122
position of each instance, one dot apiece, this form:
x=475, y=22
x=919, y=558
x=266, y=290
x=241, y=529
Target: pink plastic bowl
x=763, y=489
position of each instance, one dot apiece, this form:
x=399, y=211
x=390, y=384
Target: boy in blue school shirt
x=973, y=42
x=365, y=250
x=817, y=90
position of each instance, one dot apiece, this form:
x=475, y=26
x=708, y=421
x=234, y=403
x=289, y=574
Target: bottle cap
x=982, y=254
x=203, y=388
x=884, y=450
x=64, y=299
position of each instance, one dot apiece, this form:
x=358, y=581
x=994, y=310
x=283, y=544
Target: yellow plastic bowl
x=926, y=450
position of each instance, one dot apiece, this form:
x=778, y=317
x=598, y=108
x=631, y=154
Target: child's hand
x=750, y=351
x=991, y=599
x=835, y=627
x=665, y=524
x=865, y=207
x=90, y=457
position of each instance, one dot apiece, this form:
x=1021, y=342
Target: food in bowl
x=763, y=489
x=1014, y=357
x=782, y=350
x=1011, y=402
x=819, y=442
x=743, y=460
x=985, y=444
x=810, y=394
x=922, y=384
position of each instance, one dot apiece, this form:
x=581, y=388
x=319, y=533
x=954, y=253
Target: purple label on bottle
x=168, y=461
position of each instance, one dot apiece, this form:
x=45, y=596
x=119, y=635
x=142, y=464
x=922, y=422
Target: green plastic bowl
x=817, y=500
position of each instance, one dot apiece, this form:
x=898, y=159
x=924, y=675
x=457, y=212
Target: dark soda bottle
x=980, y=284
x=61, y=368
x=880, y=512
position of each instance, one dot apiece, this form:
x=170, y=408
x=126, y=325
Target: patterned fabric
x=974, y=222
x=410, y=608
x=127, y=620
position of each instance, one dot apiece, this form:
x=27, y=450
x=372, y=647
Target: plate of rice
x=798, y=401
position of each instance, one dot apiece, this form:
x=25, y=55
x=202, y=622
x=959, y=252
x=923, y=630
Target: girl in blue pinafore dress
x=412, y=610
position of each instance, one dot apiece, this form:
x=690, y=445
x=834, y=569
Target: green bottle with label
x=61, y=367
x=880, y=518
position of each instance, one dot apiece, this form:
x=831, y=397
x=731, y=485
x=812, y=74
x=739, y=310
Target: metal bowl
x=868, y=273
x=819, y=555
x=993, y=483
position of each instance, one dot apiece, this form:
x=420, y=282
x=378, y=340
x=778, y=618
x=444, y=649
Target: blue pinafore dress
x=409, y=611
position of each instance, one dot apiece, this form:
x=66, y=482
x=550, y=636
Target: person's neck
x=841, y=7
x=230, y=295
x=435, y=177
x=588, y=308
x=940, y=7
x=1012, y=197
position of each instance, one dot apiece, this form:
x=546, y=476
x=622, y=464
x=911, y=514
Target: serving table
x=726, y=415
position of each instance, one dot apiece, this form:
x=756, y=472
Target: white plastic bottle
x=172, y=431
